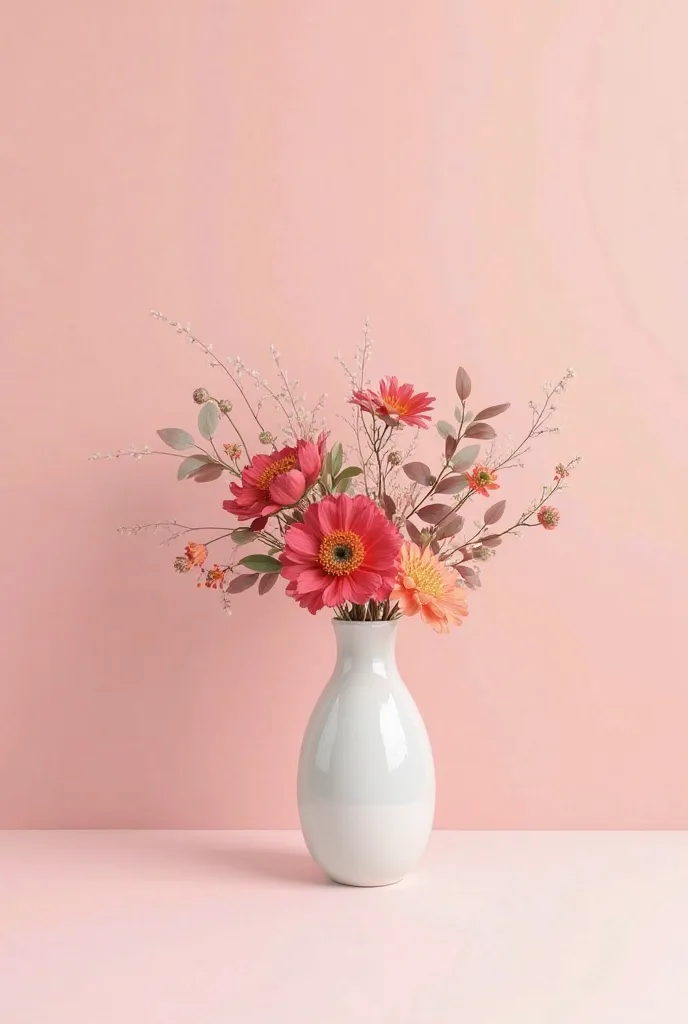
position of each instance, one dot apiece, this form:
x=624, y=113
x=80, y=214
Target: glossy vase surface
x=366, y=781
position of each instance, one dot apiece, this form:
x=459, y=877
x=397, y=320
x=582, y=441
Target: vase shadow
x=254, y=858
x=269, y=862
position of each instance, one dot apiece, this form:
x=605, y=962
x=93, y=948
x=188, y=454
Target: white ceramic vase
x=366, y=783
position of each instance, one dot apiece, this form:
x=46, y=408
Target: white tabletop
x=219, y=927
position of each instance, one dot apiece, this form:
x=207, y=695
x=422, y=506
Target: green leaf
x=208, y=419
x=445, y=429
x=337, y=458
x=191, y=465
x=342, y=486
x=349, y=472
x=243, y=535
x=261, y=563
x=465, y=457
x=175, y=437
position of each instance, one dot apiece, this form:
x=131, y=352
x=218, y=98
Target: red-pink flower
x=274, y=481
x=345, y=550
x=396, y=402
x=549, y=517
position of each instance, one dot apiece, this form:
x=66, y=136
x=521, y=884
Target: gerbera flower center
x=275, y=468
x=341, y=552
x=484, y=477
x=426, y=577
x=396, y=405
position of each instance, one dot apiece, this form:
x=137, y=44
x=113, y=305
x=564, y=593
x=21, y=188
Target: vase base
x=366, y=885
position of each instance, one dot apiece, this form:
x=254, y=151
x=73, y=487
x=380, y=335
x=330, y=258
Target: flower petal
x=310, y=462
x=288, y=488
x=302, y=543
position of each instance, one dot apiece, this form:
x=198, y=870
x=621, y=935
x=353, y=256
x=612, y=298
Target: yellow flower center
x=427, y=578
x=341, y=552
x=484, y=477
x=396, y=406
x=282, y=465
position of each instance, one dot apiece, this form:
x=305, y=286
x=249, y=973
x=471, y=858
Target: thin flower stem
x=211, y=355
x=537, y=422
x=238, y=433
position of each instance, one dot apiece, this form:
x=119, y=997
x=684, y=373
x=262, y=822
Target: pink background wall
x=500, y=184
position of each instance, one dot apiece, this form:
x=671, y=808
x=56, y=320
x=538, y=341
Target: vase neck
x=365, y=645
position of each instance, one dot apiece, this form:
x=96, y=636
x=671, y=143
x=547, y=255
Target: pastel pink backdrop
x=499, y=184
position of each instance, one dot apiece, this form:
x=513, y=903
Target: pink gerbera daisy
x=275, y=481
x=428, y=587
x=345, y=550
x=396, y=403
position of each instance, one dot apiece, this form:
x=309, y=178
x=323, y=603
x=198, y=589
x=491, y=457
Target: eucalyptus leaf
x=493, y=410
x=242, y=582
x=450, y=527
x=175, y=437
x=419, y=473
x=206, y=474
x=343, y=485
x=494, y=513
x=433, y=513
x=266, y=583
x=348, y=473
x=261, y=563
x=463, y=384
x=208, y=419
x=445, y=429
x=465, y=457
x=191, y=465
x=452, y=484
x=243, y=535
x=450, y=445
x=389, y=505
x=482, y=430
x=337, y=458
x=414, y=533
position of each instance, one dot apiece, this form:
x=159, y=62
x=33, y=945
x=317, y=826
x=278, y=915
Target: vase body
x=366, y=780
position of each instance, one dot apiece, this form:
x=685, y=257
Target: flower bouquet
x=362, y=527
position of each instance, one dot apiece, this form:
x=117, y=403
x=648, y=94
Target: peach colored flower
x=428, y=587
x=482, y=480
x=196, y=554
x=549, y=517
x=233, y=451
x=560, y=471
x=345, y=550
x=276, y=481
x=396, y=402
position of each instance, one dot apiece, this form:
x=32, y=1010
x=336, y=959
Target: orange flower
x=214, y=577
x=428, y=587
x=482, y=480
x=196, y=554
